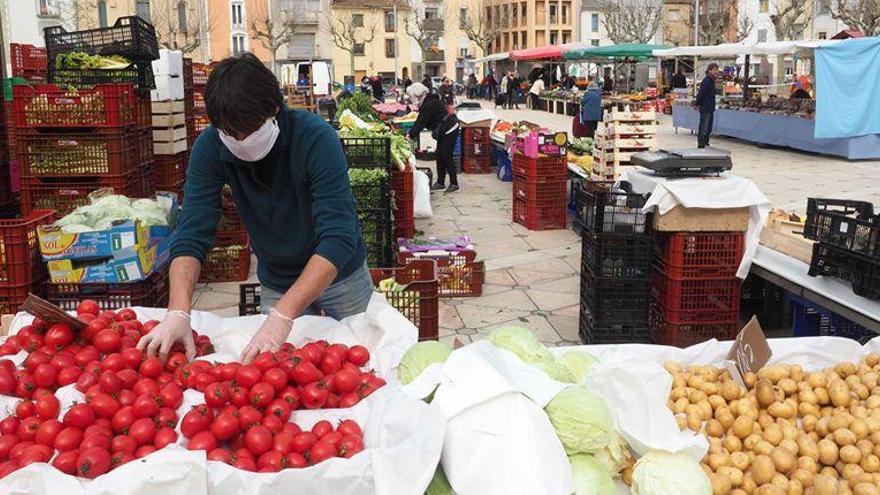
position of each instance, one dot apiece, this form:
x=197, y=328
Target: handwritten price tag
x=749, y=352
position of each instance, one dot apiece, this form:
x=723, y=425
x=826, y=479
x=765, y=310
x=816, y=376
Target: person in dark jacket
x=679, y=81
x=447, y=93
x=426, y=82
x=289, y=179
x=591, y=112
x=513, y=83
x=378, y=90
x=705, y=102
x=492, y=84
x=434, y=115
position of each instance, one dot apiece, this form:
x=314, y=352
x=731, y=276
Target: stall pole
x=746, y=78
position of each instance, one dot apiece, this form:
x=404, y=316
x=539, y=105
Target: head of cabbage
x=521, y=342
x=590, y=477
x=581, y=420
x=419, y=357
x=662, y=473
x=616, y=456
x=579, y=363
x=439, y=484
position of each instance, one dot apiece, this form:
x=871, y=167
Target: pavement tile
x=213, y=301
x=548, y=301
x=527, y=277
x=511, y=299
x=448, y=316
x=566, y=326
x=568, y=285
x=479, y=316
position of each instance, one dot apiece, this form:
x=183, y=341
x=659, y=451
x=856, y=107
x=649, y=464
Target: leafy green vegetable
x=589, y=477
x=360, y=104
x=662, y=473
x=581, y=420
x=521, y=342
x=81, y=60
x=439, y=484
x=578, y=363
x=419, y=357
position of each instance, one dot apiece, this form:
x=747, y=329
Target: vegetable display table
x=779, y=130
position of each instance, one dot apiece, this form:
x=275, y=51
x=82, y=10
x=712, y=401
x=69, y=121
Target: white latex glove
x=271, y=335
x=175, y=327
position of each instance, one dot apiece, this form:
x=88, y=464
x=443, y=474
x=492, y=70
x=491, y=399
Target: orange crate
x=684, y=334
x=535, y=217
x=418, y=302
x=459, y=274
x=476, y=165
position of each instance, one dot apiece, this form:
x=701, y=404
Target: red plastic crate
x=64, y=194
x=476, y=165
x=145, y=145
x=171, y=169
x=418, y=302
x=13, y=296
x=28, y=60
x=684, y=300
x=48, y=105
x=151, y=292
x=699, y=254
x=683, y=334
x=76, y=154
x=459, y=274
x=477, y=150
x=476, y=135
x=20, y=261
x=148, y=180
x=539, y=217
x=539, y=193
x=404, y=219
x=541, y=169
x=230, y=263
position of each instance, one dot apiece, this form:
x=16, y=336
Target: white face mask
x=257, y=145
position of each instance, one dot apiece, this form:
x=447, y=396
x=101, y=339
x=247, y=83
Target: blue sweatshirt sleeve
x=333, y=205
x=197, y=222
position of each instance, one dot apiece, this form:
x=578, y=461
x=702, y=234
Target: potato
x=743, y=426
x=839, y=421
x=844, y=436
x=751, y=441
x=830, y=471
x=850, y=454
x=695, y=381
x=797, y=373
x=726, y=419
x=861, y=478
x=680, y=405
x=749, y=379
x=807, y=447
x=838, y=391
x=808, y=422
x=808, y=464
x=782, y=410
x=817, y=380
x=721, y=484
x=860, y=390
x=775, y=373
x=716, y=401
x=865, y=447
x=822, y=396
x=738, y=491
x=789, y=445
x=679, y=382
x=732, y=443
x=872, y=359
x=704, y=409
x=763, y=448
x=730, y=390
x=870, y=463
x=828, y=452
x=714, y=429
x=845, y=369
x=716, y=461
x=740, y=460
x=873, y=402
x=765, y=393
x=790, y=431
x=788, y=386
x=807, y=409
x=695, y=396
x=715, y=446
x=773, y=434
x=769, y=489
x=732, y=473
x=763, y=470
x=706, y=469
x=850, y=471
x=870, y=379
x=765, y=420
x=681, y=420
x=780, y=481
x=710, y=388
x=694, y=421
x=825, y=485
x=804, y=477
x=859, y=429
x=783, y=459
x=822, y=426
x=795, y=487
x=865, y=488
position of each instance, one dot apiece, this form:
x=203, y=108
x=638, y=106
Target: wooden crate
x=169, y=134
x=613, y=129
x=168, y=107
x=171, y=147
x=615, y=115
x=631, y=143
x=169, y=120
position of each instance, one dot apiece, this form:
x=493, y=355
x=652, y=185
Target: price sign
x=749, y=352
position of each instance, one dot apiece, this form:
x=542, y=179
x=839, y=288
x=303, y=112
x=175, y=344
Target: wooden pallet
x=628, y=129
x=169, y=134
x=615, y=143
x=168, y=106
x=615, y=115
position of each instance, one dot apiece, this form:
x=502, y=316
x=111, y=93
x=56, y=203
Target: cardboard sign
x=749, y=352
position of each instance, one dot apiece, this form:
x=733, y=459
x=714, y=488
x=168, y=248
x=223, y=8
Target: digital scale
x=685, y=163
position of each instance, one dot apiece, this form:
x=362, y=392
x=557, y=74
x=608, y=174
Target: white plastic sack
x=421, y=195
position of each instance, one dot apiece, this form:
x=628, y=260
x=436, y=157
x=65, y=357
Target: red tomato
x=92, y=463
x=314, y=395
x=282, y=442
x=203, y=440
x=171, y=396
x=68, y=439
x=126, y=314
x=216, y=395
x=322, y=451
x=85, y=381
x=27, y=429
x=291, y=428
x=87, y=306
x=6, y=443
x=144, y=450
x=248, y=376
x=120, y=458
x=35, y=359
x=107, y=340
x=9, y=425
x=291, y=396
x=238, y=396
x=202, y=380
x=104, y=405
x=146, y=406
x=110, y=382
x=142, y=431
x=149, y=326
x=345, y=381
x=219, y=455
x=296, y=461
x=58, y=336
x=305, y=372
x=261, y=394
x=126, y=398
x=101, y=427
x=25, y=386
x=80, y=415
x=279, y=408
x=133, y=357
x=330, y=363
x=272, y=461
x=248, y=416
x=164, y=436
x=66, y=376
x=151, y=367
x=313, y=352
x=226, y=372
x=358, y=355
x=258, y=439
x=35, y=453
x=7, y=382
x=123, y=443
x=245, y=463
x=264, y=361
x=225, y=426
x=89, y=441
x=332, y=438
x=62, y=360
x=350, y=445
x=47, y=407
x=166, y=417
x=123, y=419
x=303, y=442
x=66, y=461
x=275, y=377
x=273, y=423
x=197, y=420
x=340, y=350
x=47, y=431
x=145, y=386
x=322, y=428
x=175, y=360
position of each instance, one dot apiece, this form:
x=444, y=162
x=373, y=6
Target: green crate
x=7, y=86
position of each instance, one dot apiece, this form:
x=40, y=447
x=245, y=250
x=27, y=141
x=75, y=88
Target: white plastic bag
x=421, y=195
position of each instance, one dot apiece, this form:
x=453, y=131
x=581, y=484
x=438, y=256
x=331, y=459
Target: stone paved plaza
x=532, y=278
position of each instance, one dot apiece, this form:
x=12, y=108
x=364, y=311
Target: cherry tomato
x=291, y=396
x=67, y=375
x=175, y=361
x=132, y=357
x=245, y=463
x=9, y=425
x=238, y=396
x=350, y=445
x=272, y=461
x=322, y=428
x=7, y=382
x=296, y=461
x=27, y=429
x=258, y=439
x=35, y=453
x=89, y=441
x=264, y=361
x=145, y=386
x=330, y=363
x=313, y=353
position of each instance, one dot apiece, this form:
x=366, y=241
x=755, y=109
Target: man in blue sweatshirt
x=289, y=178
x=705, y=102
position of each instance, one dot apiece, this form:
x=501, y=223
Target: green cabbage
x=556, y=370
x=662, y=473
x=578, y=363
x=419, y=357
x=104, y=211
x=589, y=477
x=76, y=228
x=439, y=484
x=521, y=342
x=616, y=456
x=581, y=419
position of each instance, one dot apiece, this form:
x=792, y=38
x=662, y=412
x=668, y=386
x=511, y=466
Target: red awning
x=549, y=52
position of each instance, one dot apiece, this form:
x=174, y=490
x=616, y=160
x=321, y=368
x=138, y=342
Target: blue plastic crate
x=808, y=319
x=502, y=159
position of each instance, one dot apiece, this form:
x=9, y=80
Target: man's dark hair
x=712, y=66
x=241, y=94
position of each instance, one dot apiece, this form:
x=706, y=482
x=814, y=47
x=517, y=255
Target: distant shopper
x=679, y=81
x=406, y=82
x=608, y=85
x=502, y=95
x=705, y=102
x=434, y=115
x=366, y=86
x=591, y=112
x=492, y=84
x=426, y=82
x=798, y=92
x=513, y=91
x=535, y=93
x=472, y=86
x=378, y=90
x=447, y=92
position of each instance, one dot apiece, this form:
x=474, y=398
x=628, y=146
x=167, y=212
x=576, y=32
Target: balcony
x=433, y=25
x=432, y=56
x=303, y=11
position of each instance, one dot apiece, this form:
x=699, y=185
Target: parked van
x=320, y=72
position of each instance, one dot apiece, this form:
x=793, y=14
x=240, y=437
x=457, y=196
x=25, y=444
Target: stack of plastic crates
x=370, y=158
x=28, y=62
x=539, y=191
x=615, y=264
x=229, y=260
x=200, y=120
x=21, y=267
x=404, y=217
x=848, y=247
x=809, y=320
x=695, y=292
x=189, y=101
x=152, y=292
x=476, y=150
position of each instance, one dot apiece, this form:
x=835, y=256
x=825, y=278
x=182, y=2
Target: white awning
x=495, y=57
x=733, y=50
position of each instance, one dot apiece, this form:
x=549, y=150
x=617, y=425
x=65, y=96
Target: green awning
x=627, y=50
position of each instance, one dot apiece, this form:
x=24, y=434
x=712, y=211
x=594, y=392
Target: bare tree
x=863, y=15
x=713, y=27
x=789, y=19
x=347, y=36
x=479, y=30
x=631, y=21
x=180, y=31
x=426, y=32
x=273, y=31
x=78, y=14
x=744, y=28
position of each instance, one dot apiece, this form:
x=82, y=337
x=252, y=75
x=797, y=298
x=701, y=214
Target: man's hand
x=271, y=335
x=174, y=328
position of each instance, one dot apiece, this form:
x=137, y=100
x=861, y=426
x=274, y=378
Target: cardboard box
x=167, y=88
x=169, y=106
x=785, y=236
x=169, y=134
x=684, y=219
x=128, y=265
x=167, y=120
x=170, y=63
x=170, y=148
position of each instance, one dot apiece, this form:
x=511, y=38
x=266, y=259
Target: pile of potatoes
x=789, y=432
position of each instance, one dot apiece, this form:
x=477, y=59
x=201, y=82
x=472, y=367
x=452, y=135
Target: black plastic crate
x=818, y=206
x=859, y=235
x=377, y=231
x=611, y=300
x=367, y=152
x=617, y=255
x=131, y=37
x=606, y=207
x=861, y=271
x=248, y=299
x=139, y=74
x=629, y=332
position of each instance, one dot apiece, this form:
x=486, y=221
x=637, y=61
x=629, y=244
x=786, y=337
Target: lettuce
x=439, y=484
x=521, y=342
x=662, y=473
x=581, y=419
x=419, y=357
x=589, y=477
x=578, y=363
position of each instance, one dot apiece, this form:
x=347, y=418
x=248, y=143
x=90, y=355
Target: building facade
x=24, y=21
x=532, y=23
x=592, y=27
x=677, y=26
